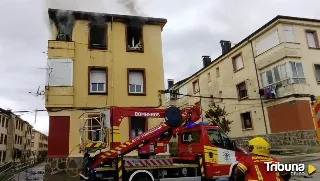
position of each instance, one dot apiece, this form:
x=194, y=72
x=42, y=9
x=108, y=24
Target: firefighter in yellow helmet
x=253, y=166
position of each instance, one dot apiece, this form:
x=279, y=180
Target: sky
x=194, y=29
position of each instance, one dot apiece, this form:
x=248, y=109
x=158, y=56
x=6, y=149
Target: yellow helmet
x=259, y=146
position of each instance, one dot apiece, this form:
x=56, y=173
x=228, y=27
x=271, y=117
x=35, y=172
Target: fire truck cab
x=220, y=153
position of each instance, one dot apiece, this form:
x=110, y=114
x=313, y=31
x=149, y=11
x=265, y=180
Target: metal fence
x=9, y=169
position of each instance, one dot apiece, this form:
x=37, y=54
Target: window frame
x=234, y=62
x=293, y=33
x=143, y=71
x=190, y=133
x=126, y=40
x=195, y=91
x=316, y=39
x=238, y=91
x=98, y=47
x=284, y=79
x=145, y=125
x=315, y=73
x=296, y=69
x=242, y=121
x=209, y=77
x=90, y=68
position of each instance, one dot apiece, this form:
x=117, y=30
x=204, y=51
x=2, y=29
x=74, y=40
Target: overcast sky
x=194, y=28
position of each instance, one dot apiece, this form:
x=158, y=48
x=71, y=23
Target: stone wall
x=306, y=137
x=57, y=165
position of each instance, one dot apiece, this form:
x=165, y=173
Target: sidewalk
x=303, y=158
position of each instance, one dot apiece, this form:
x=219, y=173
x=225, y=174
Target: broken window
x=134, y=38
x=64, y=24
x=98, y=36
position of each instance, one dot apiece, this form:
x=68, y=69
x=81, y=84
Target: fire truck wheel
x=142, y=179
x=173, y=116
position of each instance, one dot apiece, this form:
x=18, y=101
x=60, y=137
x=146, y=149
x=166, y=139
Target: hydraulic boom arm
x=175, y=121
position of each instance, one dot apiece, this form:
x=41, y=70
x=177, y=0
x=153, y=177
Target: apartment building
x=264, y=82
x=39, y=143
x=4, y=121
x=15, y=137
x=96, y=61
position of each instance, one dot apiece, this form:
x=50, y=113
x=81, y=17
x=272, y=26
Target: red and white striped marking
x=148, y=163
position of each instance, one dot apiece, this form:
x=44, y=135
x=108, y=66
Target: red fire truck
x=204, y=152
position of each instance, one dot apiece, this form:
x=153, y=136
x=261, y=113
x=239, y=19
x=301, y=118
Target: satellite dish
x=172, y=116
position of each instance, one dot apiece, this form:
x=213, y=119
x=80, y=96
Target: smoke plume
x=129, y=7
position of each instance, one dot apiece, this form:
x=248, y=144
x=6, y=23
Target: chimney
x=225, y=45
x=206, y=60
x=170, y=83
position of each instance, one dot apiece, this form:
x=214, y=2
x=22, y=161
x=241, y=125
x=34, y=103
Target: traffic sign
x=316, y=118
x=317, y=114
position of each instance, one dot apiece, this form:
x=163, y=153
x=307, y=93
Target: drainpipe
x=261, y=102
x=200, y=97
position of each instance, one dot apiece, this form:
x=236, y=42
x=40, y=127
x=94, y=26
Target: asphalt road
x=35, y=174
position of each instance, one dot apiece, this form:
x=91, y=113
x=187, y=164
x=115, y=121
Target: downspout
x=200, y=97
x=261, y=102
x=112, y=86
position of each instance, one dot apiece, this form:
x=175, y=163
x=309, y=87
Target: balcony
x=60, y=49
x=59, y=97
x=291, y=89
x=277, y=53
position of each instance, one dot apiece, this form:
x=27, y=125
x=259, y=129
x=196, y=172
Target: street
x=36, y=174
x=315, y=176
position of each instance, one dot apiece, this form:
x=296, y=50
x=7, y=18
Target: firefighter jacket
x=253, y=168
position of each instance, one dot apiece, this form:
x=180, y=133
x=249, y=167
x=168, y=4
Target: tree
x=216, y=114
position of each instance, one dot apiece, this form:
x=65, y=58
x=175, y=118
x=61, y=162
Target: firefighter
x=252, y=167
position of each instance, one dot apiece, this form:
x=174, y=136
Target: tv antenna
x=38, y=93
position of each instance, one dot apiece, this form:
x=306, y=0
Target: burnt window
x=98, y=36
x=134, y=38
x=64, y=24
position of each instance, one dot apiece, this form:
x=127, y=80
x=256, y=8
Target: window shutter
x=311, y=40
x=136, y=78
x=288, y=32
x=238, y=63
x=98, y=76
